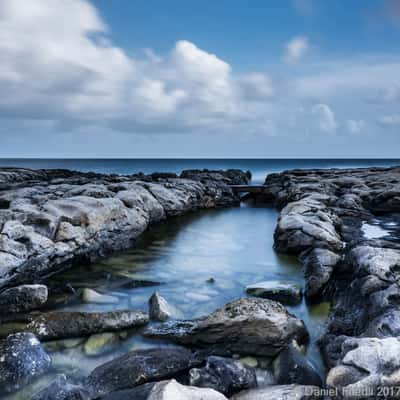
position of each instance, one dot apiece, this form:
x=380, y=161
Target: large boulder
x=23, y=298
x=172, y=390
x=139, y=367
x=224, y=375
x=284, y=292
x=22, y=359
x=248, y=326
x=65, y=324
x=281, y=392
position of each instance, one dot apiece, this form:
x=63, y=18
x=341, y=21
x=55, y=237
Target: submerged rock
x=64, y=324
x=23, y=298
x=139, y=367
x=172, y=390
x=91, y=296
x=100, y=343
x=160, y=310
x=141, y=392
x=22, y=359
x=246, y=326
x=284, y=292
x=61, y=389
x=292, y=367
x=280, y=392
x=224, y=375
x=138, y=283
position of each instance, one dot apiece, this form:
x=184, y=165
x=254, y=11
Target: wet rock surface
x=283, y=292
x=324, y=217
x=51, y=218
x=22, y=359
x=64, y=324
x=293, y=367
x=224, y=375
x=159, y=309
x=23, y=298
x=246, y=326
x=139, y=367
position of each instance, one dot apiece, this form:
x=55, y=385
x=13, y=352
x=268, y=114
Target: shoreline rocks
x=248, y=326
x=23, y=298
x=322, y=216
x=282, y=292
x=49, y=219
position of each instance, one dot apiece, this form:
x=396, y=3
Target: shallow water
x=232, y=246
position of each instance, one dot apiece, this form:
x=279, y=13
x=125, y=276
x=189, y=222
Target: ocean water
x=259, y=167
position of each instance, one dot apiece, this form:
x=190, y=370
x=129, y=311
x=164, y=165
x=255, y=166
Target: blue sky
x=126, y=78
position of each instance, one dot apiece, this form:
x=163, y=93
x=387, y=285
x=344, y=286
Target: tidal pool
x=232, y=246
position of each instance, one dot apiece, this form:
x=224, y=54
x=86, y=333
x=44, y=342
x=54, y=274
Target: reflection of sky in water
x=373, y=231
x=233, y=246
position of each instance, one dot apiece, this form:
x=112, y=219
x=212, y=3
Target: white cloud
x=390, y=120
x=356, y=126
x=325, y=118
x=296, y=49
x=60, y=70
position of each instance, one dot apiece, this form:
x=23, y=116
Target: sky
x=231, y=79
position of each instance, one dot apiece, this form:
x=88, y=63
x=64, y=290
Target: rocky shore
x=325, y=219
x=251, y=348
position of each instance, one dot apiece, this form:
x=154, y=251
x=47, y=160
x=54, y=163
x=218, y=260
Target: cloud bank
x=61, y=71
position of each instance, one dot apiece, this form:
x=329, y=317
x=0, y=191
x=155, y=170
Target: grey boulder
x=248, y=326
x=23, y=298
x=22, y=359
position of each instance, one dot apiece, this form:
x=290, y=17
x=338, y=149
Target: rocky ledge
x=325, y=219
x=51, y=218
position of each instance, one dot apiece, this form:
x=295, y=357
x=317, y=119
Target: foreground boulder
x=22, y=359
x=292, y=367
x=60, y=325
x=172, y=390
x=139, y=367
x=284, y=292
x=367, y=364
x=224, y=375
x=23, y=298
x=280, y=392
x=246, y=326
x=61, y=389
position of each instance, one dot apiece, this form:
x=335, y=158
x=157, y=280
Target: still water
x=232, y=246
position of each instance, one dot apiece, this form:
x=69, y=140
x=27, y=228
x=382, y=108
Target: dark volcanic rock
x=141, y=392
x=246, y=326
x=224, y=375
x=139, y=367
x=23, y=298
x=22, y=359
x=284, y=292
x=61, y=389
x=292, y=367
x=59, y=324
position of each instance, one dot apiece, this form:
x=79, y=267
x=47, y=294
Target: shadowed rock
x=284, y=292
x=23, y=298
x=139, y=367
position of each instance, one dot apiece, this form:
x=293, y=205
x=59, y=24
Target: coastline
x=321, y=221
